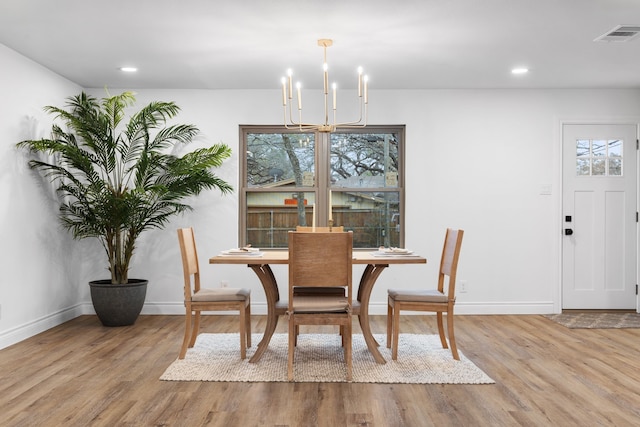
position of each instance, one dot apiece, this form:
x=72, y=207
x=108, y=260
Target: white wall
x=37, y=286
x=476, y=159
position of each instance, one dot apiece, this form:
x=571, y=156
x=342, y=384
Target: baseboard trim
x=30, y=329
x=34, y=327
x=522, y=307
x=479, y=308
x=379, y=308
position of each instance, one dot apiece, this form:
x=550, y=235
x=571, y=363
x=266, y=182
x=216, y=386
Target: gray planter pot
x=118, y=305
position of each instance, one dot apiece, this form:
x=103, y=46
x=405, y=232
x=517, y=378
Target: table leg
x=270, y=286
x=368, y=279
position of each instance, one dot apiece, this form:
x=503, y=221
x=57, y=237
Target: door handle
x=568, y=232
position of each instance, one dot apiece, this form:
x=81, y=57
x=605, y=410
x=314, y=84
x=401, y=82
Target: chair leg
x=187, y=335
x=196, y=328
x=248, y=322
x=348, y=354
x=452, y=338
x=443, y=339
x=292, y=347
x=396, y=332
x=389, y=322
x=243, y=331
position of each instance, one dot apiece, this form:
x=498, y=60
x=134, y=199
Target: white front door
x=599, y=190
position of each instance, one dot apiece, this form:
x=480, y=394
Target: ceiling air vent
x=621, y=33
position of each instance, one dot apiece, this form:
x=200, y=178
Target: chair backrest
x=338, y=229
x=449, y=260
x=320, y=259
x=189, y=260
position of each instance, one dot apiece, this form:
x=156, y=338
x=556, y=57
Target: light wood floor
x=83, y=374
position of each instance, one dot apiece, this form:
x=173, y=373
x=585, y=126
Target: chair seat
x=422, y=295
x=221, y=294
x=317, y=303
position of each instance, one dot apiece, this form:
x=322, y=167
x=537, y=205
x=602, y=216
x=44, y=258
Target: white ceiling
x=402, y=44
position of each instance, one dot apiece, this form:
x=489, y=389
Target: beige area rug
x=597, y=320
x=319, y=358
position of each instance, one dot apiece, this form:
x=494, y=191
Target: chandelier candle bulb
x=284, y=92
x=298, y=87
x=290, y=74
x=360, y=82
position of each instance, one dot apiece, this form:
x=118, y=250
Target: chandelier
x=296, y=123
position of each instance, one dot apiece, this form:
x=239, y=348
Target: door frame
x=561, y=122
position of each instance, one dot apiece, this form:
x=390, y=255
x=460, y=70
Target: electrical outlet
x=462, y=286
x=224, y=284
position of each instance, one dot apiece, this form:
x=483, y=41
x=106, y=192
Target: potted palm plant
x=117, y=179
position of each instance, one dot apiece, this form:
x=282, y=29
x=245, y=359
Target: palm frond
x=117, y=179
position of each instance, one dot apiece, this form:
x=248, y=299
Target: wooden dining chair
x=198, y=299
x=319, y=290
x=320, y=260
x=436, y=300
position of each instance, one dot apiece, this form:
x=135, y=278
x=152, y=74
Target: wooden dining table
x=375, y=264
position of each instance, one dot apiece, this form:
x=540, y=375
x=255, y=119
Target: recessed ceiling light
x=128, y=69
x=520, y=70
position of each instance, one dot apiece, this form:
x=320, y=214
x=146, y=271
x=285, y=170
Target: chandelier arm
x=297, y=124
x=326, y=127
x=291, y=121
x=355, y=122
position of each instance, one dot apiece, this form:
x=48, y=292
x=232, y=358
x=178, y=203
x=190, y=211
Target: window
x=599, y=157
x=353, y=178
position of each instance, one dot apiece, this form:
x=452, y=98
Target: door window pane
x=598, y=167
x=599, y=148
x=615, y=167
x=615, y=148
x=583, y=167
x=583, y=148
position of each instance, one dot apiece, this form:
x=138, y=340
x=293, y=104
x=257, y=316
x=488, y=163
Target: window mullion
x=323, y=155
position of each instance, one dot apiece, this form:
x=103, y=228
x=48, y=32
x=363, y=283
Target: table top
x=282, y=257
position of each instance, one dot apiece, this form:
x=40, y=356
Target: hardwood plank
x=81, y=373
